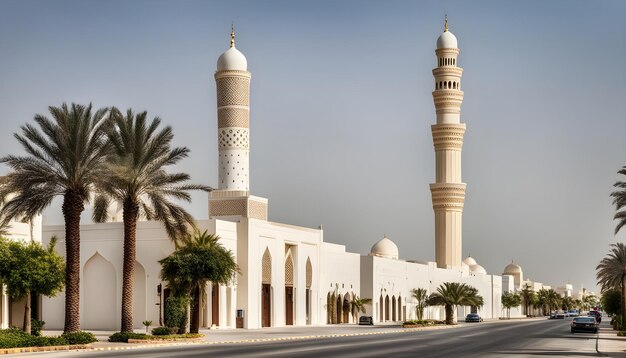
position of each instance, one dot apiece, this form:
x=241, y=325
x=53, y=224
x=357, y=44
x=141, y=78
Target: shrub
x=36, y=326
x=177, y=336
x=125, y=336
x=621, y=333
x=80, y=337
x=175, y=311
x=14, y=338
x=164, y=331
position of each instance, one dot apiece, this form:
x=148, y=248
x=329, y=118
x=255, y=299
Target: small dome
x=447, y=40
x=385, y=248
x=469, y=261
x=512, y=269
x=232, y=59
x=477, y=269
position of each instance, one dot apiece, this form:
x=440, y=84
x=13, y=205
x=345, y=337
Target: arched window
x=445, y=85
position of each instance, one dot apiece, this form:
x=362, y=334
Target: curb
x=43, y=349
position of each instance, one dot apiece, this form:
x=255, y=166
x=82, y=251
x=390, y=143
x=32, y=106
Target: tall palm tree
x=200, y=259
x=357, y=305
x=65, y=157
x=529, y=297
x=138, y=181
x=554, y=300
x=542, y=300
x=611, y=272
x=453, y=294
x=421, y=298
x=619, y=200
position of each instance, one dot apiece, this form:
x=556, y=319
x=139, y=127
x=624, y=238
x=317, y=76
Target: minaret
x=448, y=191
x=232, y=199
x=233, y=118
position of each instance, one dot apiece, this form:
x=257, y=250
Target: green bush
x=621, y=333
x=125, y=336
x=36, y=326
x=177, y=336
x=164, y=331
x=80, y=337
x=14, y=338
x=423, y=323
x=175, y=311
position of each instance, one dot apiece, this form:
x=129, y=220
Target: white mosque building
x=289, y=275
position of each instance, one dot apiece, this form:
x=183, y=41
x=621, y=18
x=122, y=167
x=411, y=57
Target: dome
x=232, y=59
x=385, y=248
x=446, y=40
x=512, y=269
x=469, y=261
x=477, y=269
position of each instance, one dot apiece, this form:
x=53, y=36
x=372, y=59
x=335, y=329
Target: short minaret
x=232, y=199
x=448, y=191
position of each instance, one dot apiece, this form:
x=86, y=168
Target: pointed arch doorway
x=266, y=289
x=289, y=290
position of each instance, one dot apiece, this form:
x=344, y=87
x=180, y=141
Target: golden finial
x=445, y=26
x=232, y=34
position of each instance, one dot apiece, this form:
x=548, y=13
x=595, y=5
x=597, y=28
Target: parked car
x=553, y=315
x=560, y=315
x=366, y=320
x=584, y=324
x=596, y=314
x=473, y=317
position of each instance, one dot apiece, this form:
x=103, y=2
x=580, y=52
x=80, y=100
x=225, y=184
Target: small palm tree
x=611, y=272
x=199, y=260
x=65, y=157
x=453, y=294
x=139, y=182
x=358, y=305
x=420, y=295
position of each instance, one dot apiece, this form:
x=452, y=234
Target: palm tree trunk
x=194, y=325
x=131, y=211
x=73, y=206
x=450, y=314
x=26, y=324
x=623, y=302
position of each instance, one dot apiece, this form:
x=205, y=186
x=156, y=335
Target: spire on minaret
x=445, y=25
x=232, y=34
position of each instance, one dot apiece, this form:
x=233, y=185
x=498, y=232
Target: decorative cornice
x=232, y=73
x=448, y=196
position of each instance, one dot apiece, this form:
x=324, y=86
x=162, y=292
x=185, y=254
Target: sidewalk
x=609, y=344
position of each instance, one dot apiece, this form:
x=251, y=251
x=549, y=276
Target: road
x=489, y=339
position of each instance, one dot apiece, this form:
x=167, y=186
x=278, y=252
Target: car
x=584, y=324
x=366, y=320
x=553, y=315
x=560, y=315
x=595, y=314
x=473, y=317
x=573, y=313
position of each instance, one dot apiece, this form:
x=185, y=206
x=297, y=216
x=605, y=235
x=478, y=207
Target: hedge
x=16, y=338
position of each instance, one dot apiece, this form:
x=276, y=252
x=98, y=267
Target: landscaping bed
x=143, y=338
x=16, y=338
x=422, y=323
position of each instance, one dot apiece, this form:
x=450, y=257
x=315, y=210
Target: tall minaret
x=232, y=199
x=448, y=191
x=233, y=118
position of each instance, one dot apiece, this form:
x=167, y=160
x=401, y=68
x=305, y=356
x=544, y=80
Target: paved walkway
x=609, y=344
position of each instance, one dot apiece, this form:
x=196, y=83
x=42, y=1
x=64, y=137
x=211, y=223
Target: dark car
x=473, y=317
x=366, y=320
x=595, y=314
x=585, y=324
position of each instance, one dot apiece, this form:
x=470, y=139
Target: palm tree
x=139, y=182
x=529, y=297
x=542, y=300
x=453, y=294
x=553, y=299
x=611, y=272
x=421, y=298
x=200, y=259
x=65, y=157
x=358, y=305
x=619, y=200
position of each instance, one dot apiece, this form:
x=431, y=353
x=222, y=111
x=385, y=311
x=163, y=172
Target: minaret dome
x=232, y=59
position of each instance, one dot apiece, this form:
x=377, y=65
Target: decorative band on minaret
x=448, y=191
x=233, y=119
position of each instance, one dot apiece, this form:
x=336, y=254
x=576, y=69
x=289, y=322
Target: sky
x=341, y=109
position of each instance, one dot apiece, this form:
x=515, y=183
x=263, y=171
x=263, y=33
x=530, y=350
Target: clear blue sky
x=342, y=108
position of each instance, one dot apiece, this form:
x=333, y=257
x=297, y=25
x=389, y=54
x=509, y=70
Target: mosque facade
x=288, y=274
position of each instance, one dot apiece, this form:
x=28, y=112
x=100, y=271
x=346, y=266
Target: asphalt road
x=492, y=339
